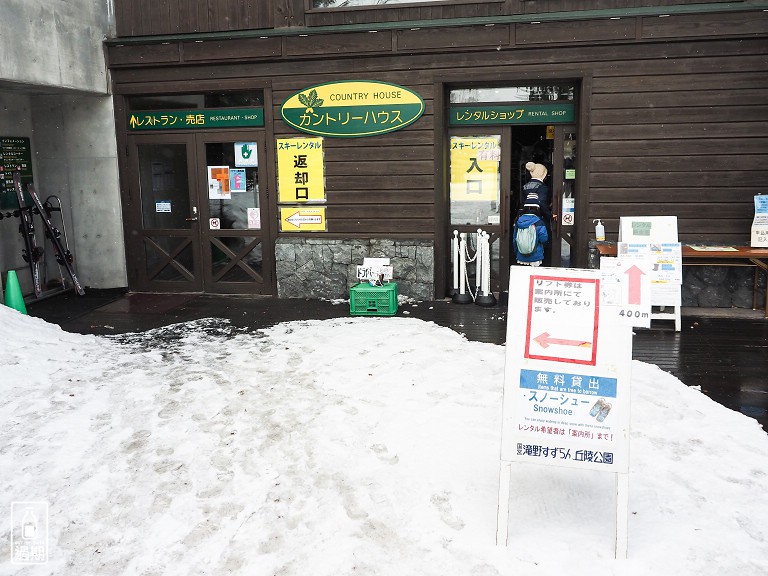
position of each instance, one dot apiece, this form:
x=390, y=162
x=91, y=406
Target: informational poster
x=163, y=206
x=475, y=168
x=15, y=155
x=567, y=377
x=300, y=170
x=666, y=259
x=218, y=183
x=759, y=237
x=625, y=290
x=237, y=180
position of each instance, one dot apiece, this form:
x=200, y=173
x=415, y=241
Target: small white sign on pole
x=566, y=383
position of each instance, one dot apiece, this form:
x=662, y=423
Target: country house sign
x=352, y=109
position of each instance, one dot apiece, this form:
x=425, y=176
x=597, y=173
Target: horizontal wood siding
x=164, y=17
x=686, y=138
x=673, y=128
x=380, y=185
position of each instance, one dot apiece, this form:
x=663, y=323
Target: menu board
x=15, y=154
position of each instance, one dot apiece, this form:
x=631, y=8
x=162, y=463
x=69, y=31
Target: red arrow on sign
x=634, y=284
x=545, y=341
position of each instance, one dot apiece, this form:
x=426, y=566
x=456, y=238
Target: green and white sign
x=196, y=119
x=15, y=155
x=512, y=114
x=352, y=109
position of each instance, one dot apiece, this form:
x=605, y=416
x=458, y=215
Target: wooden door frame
x=267, y=226
x=135, y=233
x=198, y=233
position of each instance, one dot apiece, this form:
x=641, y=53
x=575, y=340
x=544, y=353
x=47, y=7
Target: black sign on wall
x=15, y=154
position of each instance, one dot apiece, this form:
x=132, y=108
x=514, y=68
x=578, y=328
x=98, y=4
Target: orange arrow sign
x=544, y=340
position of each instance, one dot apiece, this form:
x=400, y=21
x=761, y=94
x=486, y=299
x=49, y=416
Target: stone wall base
x=722, y=286
x=324, y=268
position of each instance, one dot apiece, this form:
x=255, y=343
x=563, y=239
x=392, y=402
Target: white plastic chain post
x=486, y=245
x=479, y=265
x=461, y=262
x=455, y=255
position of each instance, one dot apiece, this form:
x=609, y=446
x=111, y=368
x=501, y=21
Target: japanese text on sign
x=349, y=109
x=475, y=168
x=562, y=319
x=512, y=114
x=195, y=119
x=301, y=175
x=556, y=453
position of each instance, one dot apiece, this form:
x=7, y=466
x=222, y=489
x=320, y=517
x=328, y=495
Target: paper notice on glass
x=218, y=183
x=163, y=206
x=254, y=218
x=237, y=179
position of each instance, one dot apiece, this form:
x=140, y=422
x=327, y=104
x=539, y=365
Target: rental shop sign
x=351, y=109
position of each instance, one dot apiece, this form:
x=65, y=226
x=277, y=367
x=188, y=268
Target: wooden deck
x=725, y=354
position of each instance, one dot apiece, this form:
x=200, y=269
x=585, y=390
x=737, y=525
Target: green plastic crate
x=367, y=300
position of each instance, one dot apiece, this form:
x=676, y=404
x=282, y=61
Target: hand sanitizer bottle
x=599, y=231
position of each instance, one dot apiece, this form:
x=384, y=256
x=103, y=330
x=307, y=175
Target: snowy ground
x=364, y=446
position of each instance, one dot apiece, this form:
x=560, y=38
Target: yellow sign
x=351, y=109
x=300, y=171
x=303, y=219
x=475, y=168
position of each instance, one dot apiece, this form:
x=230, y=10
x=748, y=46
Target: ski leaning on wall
x=32, y=253
x=61, y=252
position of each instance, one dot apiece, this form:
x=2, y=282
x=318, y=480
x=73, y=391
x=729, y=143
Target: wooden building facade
x=664, y=111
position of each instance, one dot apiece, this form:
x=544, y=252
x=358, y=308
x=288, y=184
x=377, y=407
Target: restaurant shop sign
x=352, y=109
x=196, y=119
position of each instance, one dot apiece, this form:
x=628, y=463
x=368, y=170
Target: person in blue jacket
x=530, y=217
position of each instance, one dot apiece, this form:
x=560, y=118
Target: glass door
x=479, y=194
x=163, y=245
x=235, y=225
x=197, y=215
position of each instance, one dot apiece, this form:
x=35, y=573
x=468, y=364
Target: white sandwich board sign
x=566, y=381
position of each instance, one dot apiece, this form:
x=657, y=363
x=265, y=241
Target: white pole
x=622, y=515
x=484, y=295
x=456, y=255
x=502, y=512
x=486, y=264
x=479, y=262
x=463, y=272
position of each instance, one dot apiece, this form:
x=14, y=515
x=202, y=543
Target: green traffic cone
x=13, y=296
